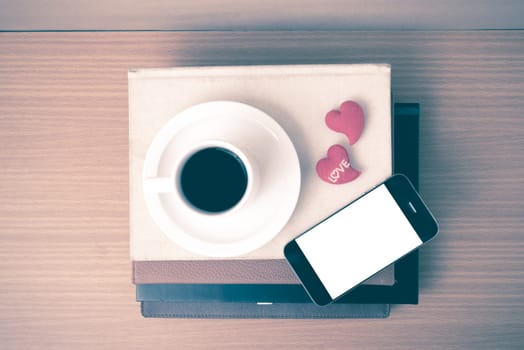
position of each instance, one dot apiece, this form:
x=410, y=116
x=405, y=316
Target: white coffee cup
x=266, y=154
x=221, y=202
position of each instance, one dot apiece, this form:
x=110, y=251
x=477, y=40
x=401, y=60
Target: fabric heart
x=349, y=120
x=336, y=168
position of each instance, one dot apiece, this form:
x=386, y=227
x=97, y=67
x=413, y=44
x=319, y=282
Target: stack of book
x=172, y=281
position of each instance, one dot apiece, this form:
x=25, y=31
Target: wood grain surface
x=66, y=275
x=260, y=15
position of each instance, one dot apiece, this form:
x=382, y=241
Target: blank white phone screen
x=358, y=241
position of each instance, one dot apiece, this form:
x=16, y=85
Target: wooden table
x=65, y=275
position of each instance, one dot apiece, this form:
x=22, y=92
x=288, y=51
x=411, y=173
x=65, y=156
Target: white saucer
x=268, y=207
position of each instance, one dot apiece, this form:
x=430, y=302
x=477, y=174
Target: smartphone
x=336, y=255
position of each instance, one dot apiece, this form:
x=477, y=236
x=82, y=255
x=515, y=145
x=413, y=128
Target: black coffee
x=213, y=179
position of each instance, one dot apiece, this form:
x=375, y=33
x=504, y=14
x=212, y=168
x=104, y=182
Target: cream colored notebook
x=298, y=98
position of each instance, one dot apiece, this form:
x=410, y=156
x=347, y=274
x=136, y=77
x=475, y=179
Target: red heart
x=336, y=168
x=349, y=121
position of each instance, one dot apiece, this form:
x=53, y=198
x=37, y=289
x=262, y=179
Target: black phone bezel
x=422, y=221
x=403, y=192
x=305, y=273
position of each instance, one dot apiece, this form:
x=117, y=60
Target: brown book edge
x=261, y=271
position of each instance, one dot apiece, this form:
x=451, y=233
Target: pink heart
x=349, y=121
x=336, y=168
